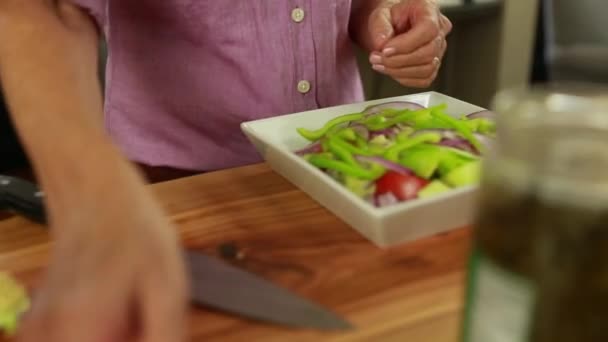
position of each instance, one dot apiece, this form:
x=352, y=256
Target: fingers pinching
x=414, y=39
x=446, y=24
x=424, y=55
x=414, y=56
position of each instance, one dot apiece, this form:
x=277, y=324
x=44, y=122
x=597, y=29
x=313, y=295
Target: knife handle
x=23, y=198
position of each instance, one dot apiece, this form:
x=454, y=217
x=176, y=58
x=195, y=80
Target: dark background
x=12, y=156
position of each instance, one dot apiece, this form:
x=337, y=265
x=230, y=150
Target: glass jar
x=538, y=271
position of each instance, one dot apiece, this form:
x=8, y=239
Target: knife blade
x=22, y=197
x=214, y=283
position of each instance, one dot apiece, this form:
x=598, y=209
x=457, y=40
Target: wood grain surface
x=411, y=292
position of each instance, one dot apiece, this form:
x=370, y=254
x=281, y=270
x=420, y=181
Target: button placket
x=304, y=86
x=304, y=51
x=297, y=15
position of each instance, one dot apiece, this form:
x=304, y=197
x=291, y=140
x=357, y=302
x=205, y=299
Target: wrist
x=99, y=180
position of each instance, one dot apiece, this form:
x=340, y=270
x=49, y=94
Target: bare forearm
x=49, y=76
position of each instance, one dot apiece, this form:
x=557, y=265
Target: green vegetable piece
x=432, y=189
x=374, y=121
x=486, y=126
x=462, y=128
x=359, y=187
x=378, y=145
x=403, y=116
x=376, y=150
x=387, y=112
x=393, y=152
x=348, y=147
x=481, y=125
x=379, y=140
x=424, y=120
x=432, y=123
x=374, y=172
x=317, y=134
x=453, y=158
x=347, y=134
x=13, y=303
x=361, y=143
x=340, y=152
x=466, y=174
x=325, y=144
x=405, y=134
x=422, y=159
x=390, y=112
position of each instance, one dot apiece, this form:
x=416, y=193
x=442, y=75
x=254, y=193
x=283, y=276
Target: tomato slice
x=402, y=186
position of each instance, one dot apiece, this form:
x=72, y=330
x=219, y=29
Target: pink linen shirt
x=183, y=74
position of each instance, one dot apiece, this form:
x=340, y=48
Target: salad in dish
x=399, y=151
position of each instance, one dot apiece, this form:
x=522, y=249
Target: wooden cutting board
x=257, y=220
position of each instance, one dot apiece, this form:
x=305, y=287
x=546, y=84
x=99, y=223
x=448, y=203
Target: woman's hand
x=116, y=273
x=407, y=40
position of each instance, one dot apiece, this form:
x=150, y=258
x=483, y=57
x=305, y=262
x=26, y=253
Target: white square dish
x=276, y=139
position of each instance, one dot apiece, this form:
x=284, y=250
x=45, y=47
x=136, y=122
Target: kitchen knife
x=22, y=197
x=214, y=283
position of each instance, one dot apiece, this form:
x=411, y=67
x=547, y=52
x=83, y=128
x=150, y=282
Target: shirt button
x=303, y=86
x=297, y=14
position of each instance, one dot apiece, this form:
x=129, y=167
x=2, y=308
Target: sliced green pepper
x=338, y=142
x=403, y=117
x=373, y=173
x=346, y=133
x=361, y=143
x=404, y=135
x=486, y=126
x=334, y=130
x=325, y=144
x=431, y=123
x=480, y=125
x=340, y=151
x=390, y=112
x=393, y=152
x=459, y=126
x=317, y=134
x=377, y=150
x=373, y=121
x=385, y=112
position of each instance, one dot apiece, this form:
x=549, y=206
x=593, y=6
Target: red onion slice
x=387, y=164
x=460, y=144
x=389, y=132
x=398, y=105
x=465, y=145
x=385, y=200
x=361, y=130
x=482, y=114
x=312, y=148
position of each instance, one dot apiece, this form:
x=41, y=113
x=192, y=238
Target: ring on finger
x=436, y=61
